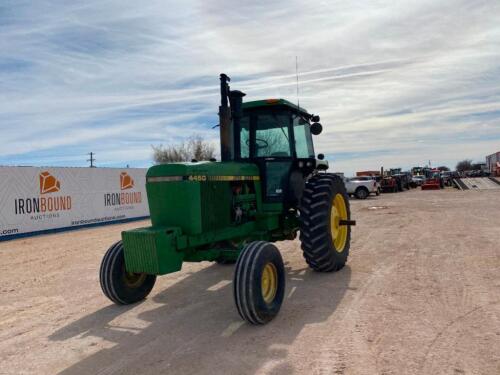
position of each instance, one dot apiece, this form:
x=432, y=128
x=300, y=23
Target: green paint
x=206, y=211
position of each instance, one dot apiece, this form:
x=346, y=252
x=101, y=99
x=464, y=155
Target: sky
x=396, y=83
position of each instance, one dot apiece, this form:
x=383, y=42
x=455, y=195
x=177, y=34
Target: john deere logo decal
x=124, y=198
x=47, y=204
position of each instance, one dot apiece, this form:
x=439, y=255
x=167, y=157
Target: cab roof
x=273, y=102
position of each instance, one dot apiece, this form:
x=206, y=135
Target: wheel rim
x=133, y=280
x=338, y=232
x=269, y=282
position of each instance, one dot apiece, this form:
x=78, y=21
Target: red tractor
x=433, y=181
x=389, y=184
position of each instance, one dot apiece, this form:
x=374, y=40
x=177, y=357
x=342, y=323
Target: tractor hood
x=198, y=169
x=198, y=197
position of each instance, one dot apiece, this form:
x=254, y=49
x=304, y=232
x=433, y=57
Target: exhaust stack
x=229, y=119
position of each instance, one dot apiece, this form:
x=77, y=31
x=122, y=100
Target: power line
x=92, y=159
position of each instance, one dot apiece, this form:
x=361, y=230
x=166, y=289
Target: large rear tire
x=325, y=243
x=259, y=282
x=117, y=284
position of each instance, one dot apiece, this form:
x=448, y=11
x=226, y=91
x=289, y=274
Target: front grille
x=141, y=254
x=215, y=205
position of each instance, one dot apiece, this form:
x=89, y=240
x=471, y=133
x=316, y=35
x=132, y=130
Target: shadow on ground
x=196, y=328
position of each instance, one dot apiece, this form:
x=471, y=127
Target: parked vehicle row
x=395, y=180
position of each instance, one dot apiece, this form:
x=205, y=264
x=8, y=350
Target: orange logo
x=48, y=183
x=126, y=182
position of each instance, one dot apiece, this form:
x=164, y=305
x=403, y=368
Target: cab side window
x=245, y=137
x=303, y=139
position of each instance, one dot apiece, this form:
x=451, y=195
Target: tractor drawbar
x=347, y=222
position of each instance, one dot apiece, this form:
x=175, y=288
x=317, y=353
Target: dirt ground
x=420, y=295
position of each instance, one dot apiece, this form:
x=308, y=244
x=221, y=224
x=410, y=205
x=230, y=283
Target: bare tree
x=464, y=165
x=194, y=148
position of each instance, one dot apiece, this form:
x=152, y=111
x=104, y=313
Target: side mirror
x=315, y=118
x=321, y=156
x=316, y=128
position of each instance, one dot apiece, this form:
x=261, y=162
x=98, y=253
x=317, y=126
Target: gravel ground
x=420, y=295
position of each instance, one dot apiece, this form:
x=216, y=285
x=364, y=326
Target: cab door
x=271, y=139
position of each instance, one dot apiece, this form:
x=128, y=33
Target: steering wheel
x=263, y=143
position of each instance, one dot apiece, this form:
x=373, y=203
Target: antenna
x=297, y=76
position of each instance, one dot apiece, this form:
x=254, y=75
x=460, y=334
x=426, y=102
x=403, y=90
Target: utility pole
x=92, y=160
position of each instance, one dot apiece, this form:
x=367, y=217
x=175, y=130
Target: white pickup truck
x=361, y=187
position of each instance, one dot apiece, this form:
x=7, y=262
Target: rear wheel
x=259, y=282
x=325, y=241
x=120, y=286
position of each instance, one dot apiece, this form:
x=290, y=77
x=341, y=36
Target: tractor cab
x=276, y=135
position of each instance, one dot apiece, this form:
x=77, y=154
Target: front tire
x=362, y=193
x=325, y=243
x=259, y=282
x=117, y=284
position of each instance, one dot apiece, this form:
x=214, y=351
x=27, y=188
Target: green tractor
x=267, y=187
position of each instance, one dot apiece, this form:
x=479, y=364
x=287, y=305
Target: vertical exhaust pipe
x=225, y=119
x=236, y=100
x=229, y=119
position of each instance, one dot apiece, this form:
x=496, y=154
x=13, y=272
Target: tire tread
x=316, y=243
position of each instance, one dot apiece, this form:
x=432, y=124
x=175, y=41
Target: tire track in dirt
x=445, y=337
x=353, y=342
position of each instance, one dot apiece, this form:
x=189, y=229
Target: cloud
x=395, y=84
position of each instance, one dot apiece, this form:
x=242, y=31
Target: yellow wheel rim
x=269, y=282
x=338, y=232
x=134, y=280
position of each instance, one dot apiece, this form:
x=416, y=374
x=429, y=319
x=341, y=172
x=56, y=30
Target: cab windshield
x=271, y=135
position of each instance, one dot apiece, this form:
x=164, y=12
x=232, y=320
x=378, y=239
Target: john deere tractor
x=268, y=187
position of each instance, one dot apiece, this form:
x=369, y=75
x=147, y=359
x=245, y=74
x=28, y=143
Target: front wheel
x=362, y=193
x=120, y=286
x=259, y=282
